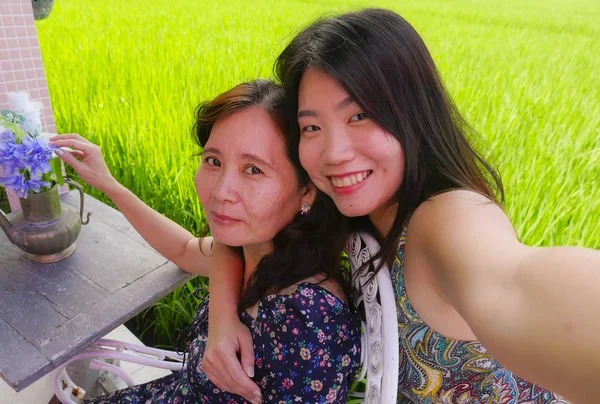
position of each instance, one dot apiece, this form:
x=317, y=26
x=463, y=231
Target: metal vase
x=46, y=229
x=41, y=8
x=41, y=208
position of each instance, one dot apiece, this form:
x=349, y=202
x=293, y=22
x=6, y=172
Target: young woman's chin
x=350, y=208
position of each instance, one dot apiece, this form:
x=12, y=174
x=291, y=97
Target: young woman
x=482, y=317
x=258, y=200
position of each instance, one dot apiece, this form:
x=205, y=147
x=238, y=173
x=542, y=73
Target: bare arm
x=537, y=310
x=227, y=335
x=165, y=236
x=225, y=285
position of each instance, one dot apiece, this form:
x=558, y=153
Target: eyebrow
x=248, y=156
x=212, y=150
x=254, y=157
x=340, y=105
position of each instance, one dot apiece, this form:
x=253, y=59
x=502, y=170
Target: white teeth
x=342, y=182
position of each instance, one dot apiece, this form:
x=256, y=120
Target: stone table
x=50, y=312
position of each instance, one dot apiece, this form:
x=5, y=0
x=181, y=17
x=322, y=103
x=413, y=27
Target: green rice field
x=127, y=75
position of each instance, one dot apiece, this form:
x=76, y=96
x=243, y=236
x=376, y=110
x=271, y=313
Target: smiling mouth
x=349, y=180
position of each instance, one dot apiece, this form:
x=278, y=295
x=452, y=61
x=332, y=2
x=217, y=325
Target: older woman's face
x=245, y=182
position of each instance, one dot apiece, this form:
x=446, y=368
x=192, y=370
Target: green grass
x=4, y=201
x=127, y=75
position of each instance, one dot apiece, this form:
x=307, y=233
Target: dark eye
x=310, y=128
x=253, y=170
x=211, y=161
x=359, y=117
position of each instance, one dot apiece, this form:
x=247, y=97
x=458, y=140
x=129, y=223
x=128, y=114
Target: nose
x=226, y=188
x=338, y=146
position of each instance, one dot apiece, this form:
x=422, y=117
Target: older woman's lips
x=223, y=219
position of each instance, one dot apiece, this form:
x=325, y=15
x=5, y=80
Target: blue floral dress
x=306, y=346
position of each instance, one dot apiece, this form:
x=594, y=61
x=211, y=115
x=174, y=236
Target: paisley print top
x=306, y=347
x=438, y=369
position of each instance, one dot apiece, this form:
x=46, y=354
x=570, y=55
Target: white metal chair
x=69, y=393
x=379, y=350
x=379, y=340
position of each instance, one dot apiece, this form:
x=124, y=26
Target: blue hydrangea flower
x=21, y=186
x=7, y=145
x=23, y=162
x=36, y=186
x=8, y=161
x=17, y=183
x=36, y=154
x=6, y=136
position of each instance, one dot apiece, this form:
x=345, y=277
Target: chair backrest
x=380, y=351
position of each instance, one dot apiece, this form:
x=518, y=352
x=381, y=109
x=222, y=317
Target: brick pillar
x=21, y=65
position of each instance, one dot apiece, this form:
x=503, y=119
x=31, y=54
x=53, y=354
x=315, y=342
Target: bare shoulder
x=460, y=235
x=456, y=200
x=458, y=212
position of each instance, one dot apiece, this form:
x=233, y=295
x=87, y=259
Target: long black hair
x=382, y=62
x=311, y=244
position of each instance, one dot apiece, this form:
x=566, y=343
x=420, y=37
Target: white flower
x=30, y=110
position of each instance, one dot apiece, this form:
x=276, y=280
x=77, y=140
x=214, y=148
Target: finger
x=70, y=159
x=71, y=136
x=247, y=353
x=244, y=386
x=215, y=373
x=86, y=148
x=76, y=153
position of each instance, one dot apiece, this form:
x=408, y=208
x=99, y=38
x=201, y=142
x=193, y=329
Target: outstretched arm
x=537, y=310
x=165, y=236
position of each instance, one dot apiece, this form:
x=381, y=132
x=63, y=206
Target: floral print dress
x=306, y=346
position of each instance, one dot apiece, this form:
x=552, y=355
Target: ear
x=310, y=193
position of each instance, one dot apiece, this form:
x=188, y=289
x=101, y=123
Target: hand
x=87, y=160
x=221, y=363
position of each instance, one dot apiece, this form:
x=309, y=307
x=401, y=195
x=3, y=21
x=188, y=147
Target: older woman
x=259, y=202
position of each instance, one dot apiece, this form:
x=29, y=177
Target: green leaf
x=57, y=168
x=8, y=121
x=12, y=116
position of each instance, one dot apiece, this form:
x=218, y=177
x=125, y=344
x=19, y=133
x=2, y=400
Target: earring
x=305, y=209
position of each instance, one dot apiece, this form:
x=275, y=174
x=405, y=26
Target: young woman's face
x=349, y=157
x=246, y=183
